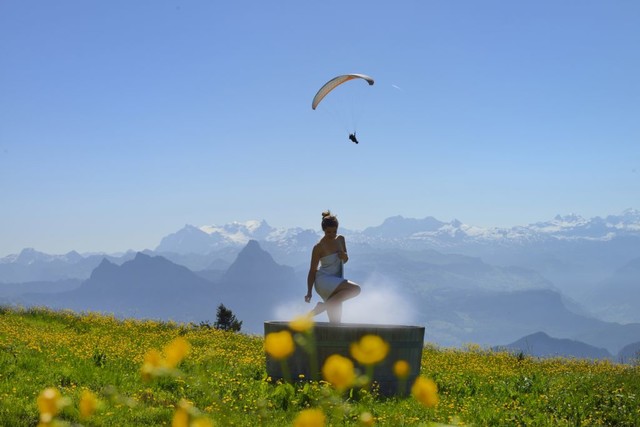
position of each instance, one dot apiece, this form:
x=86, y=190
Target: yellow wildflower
x=49, y=403
x=425, y=391
x=302, y=323
x=401, y=369
x=338, y=370
x=152, y=361
x=279, y=345
x=366, y=419
x=201, y=422
x=182, y=414
x=88, y=404
x=371, y=349
x=175, y=351
x=153, y=358
x=180, y=418
x=310, y=418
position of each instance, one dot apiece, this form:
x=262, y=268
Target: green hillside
x=95, y=363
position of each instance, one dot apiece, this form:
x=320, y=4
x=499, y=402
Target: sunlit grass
x=219, y=377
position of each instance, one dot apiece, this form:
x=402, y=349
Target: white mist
x=380, y=302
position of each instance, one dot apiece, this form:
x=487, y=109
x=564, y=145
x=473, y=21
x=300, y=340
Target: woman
x=331, y=253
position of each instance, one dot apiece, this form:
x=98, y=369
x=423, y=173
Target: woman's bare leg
x=345, y=290
x=320, y=307
x=334, y=311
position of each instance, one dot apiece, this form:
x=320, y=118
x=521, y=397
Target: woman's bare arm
x=313, y=268
x=342, y=252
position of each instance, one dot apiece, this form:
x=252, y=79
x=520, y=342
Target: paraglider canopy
x=335, y=82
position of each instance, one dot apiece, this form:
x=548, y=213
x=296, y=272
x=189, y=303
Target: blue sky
x=122, y=121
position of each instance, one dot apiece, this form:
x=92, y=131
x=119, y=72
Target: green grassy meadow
x=222, y=381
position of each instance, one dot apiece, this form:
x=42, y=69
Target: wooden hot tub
x=405, y=343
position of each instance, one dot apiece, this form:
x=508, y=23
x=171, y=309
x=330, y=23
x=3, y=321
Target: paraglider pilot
x=352, y=136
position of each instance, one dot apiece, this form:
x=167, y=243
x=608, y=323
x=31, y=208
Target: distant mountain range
x=143, y=287
x=155, y=288
x=568, y=277
x=542, y=345
x=410, y=233
x=630, y=353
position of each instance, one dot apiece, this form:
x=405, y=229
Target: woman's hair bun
x=329, y=220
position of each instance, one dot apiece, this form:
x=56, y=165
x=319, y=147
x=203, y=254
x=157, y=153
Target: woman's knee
x=346, y=288
x=353, y=288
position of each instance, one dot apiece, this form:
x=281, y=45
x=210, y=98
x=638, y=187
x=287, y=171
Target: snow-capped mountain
x=407, y=233
x=207, y=238
x=568, y=227
x=30, y=256
x=396, y=231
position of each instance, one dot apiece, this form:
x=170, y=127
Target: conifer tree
x=226, y=320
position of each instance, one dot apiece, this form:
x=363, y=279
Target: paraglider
x=334, y=83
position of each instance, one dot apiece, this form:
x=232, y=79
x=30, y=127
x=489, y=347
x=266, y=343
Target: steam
x=381, y=302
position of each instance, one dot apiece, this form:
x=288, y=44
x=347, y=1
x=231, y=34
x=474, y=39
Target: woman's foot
x=319, y=308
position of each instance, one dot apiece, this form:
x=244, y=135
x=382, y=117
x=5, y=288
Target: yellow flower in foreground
x=279, y=345
x=371, y=349
x=153, y=358
x=310, y=418
x=302, y=323
x=366, y=419
x=201, y=422
x=152, y=362
x=180, y=418
x=176, y=350
x=155, y=365
x=49, y=403
x=401, y=369
x=425, y=391
x=338, y=370
x=186, y=415
x=88, y=404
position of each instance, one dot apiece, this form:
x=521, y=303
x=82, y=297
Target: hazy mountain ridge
x=540, y=344
x=16, y=289
x=617, y=296
x=154, y=287
x=33, y=266
x=428, y=270
x=630, y=353
x=490, y=317
x=144, y=287
x=29, y=256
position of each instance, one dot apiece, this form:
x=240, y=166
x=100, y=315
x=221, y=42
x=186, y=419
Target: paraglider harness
x=352, y=137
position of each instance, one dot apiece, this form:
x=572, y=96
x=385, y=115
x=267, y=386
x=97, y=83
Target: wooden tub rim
x=348, y=325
